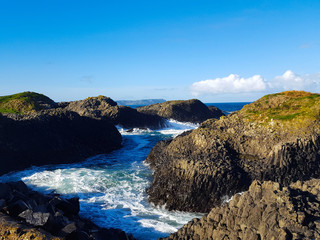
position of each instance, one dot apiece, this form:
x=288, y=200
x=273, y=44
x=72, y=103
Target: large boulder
x=102, y=107
x=266, y=211
x=32, y=215
x=184, y=110
x=51, y=137
x=275, y=138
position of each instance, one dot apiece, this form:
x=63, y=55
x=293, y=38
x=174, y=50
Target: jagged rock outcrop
x=184, y=111
x=52, y=137
x=103, y=107
x=26, y=214
x=275, y=138
x=266, y=211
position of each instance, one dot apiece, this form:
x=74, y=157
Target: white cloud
x=231, y=84
x=292, y=81
x=234, y=84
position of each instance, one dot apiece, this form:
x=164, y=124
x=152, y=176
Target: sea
x=112, y=187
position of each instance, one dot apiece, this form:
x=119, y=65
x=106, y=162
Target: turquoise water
x=112, y=187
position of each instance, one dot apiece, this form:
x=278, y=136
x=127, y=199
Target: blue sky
x=217, y=51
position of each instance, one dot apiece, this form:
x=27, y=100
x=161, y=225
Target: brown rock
x=184, y=111
x=102, y=107
x=201, y=168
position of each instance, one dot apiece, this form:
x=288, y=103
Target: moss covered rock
x=25, y=102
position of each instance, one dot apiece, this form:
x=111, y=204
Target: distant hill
x=140, y=102
x=25, y=102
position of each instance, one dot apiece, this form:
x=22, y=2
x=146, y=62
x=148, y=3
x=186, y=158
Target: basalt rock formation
x=184, y=111
x=26, y=214
x=51, y=137
x=103, y=107
x=267, y=210
x=275, y=138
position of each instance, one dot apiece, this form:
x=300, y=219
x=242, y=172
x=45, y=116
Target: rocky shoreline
x=102, y=107
x=270, y=149
x=268, y=210
x=192, y=110
x=53, y=136
x=26, y=214
x=199, y=169
x=34, y=130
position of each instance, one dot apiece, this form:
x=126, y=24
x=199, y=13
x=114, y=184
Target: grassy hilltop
x=25, y=102
x=291, y=109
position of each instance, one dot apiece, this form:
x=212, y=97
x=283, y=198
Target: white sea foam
x=112, y=187
x=173, y=128
x=134, y=131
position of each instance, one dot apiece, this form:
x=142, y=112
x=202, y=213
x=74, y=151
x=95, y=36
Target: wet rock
x=51, y=137
x=5, y=191
x=35, y=218
x=70, y=206
x=78, y=235
x=267, y=210
x=70, y=228
x=111, y=233
x=17, y=207
x=50, y=215
x=19, y=186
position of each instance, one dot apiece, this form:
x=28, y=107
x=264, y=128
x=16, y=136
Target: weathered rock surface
x=103, y=107
x=275, y=138
x=184, y=111
x=52, y=137
x=267, y=210
x=26, y=214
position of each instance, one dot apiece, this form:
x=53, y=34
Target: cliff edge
x=275, y=138
x=267, y=210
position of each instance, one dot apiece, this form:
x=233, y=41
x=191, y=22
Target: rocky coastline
x=102, y=107
x=199, y=169
x=269, y=151
x=192, y=110
x=26, y=214
x=268, y=210
x=52, y=136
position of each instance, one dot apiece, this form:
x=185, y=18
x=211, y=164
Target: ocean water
x=229, y=107
x=112, y=187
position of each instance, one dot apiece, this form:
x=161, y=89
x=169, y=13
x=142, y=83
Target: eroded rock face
x=52, y=137
x=266, y=211
x=26, y=214
x=184, y=111
x=196, y=171
x=103, y=107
